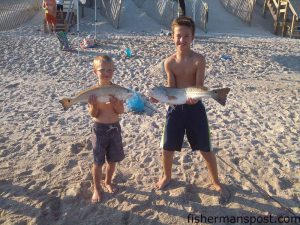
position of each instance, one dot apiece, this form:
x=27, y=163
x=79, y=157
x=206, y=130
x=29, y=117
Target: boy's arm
x=171, y=82
x=200, y=76
x=170, y=76
x=200, y=72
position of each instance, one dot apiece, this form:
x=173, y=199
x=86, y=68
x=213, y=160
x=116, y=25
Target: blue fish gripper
x=135, y=103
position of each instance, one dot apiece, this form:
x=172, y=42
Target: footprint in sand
x=77, y=148
x=51, y=209
x=12, y=85
x=25, y=173
x=72, y=163
x=285, y=184
x=4, y=152
x=51, y=119
x=271, y=189
x=192, y=194
x=3, y=139
x=48, y=168
x=40, y=147
x=85, y=190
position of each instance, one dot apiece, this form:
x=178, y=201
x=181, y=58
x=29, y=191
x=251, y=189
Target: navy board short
x=190, y=120
x=107, y=143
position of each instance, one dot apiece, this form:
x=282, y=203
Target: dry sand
x=45, y=153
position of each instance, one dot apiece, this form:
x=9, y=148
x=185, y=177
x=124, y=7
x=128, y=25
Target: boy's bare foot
x=111, y=188
x=162, y=183
x=97, y=196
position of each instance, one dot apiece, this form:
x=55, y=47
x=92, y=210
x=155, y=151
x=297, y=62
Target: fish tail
x=66, y=103
x=220, y=95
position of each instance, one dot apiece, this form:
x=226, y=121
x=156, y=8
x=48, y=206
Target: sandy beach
x=45, y=152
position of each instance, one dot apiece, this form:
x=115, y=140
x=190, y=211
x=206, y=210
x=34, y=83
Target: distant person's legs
x=182, y=7
x=51, y=20
x=46, y=25
x=60, y=9
x=54, y=25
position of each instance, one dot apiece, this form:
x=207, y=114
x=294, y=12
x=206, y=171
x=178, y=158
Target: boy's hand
x=113, y=100
x=117, y=104
x=153, y=100
x=191, y=101
x=92, y=100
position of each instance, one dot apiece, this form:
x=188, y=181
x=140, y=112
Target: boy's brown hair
x=183, y=21
x=102, y=58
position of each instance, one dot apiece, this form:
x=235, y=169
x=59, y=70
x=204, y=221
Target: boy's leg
x=96, y=171
x=172, y=140
x=211, y=164
x=167, y=161
x=110, y=169
x=198, y=135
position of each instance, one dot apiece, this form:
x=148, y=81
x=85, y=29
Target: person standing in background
x=181, y=12
x=50, y=14
x=60, y=7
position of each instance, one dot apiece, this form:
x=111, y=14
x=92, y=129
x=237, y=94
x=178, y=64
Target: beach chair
x=64, y=42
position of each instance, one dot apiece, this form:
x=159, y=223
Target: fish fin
x=201, y=87
x=172, y=97
x=89, y=89
x=220, y=95
x=66, y=103
x=204, y=88
x=96, y=87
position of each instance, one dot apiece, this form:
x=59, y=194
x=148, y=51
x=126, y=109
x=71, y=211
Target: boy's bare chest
x=184, y=71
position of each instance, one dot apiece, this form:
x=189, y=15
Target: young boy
x=50, y=14
x=106, y=131
x=186, y=68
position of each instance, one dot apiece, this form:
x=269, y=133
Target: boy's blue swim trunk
x=190, y=120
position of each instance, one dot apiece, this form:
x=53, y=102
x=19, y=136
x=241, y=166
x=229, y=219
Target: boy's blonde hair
x=102, y=58
x=184, y=21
